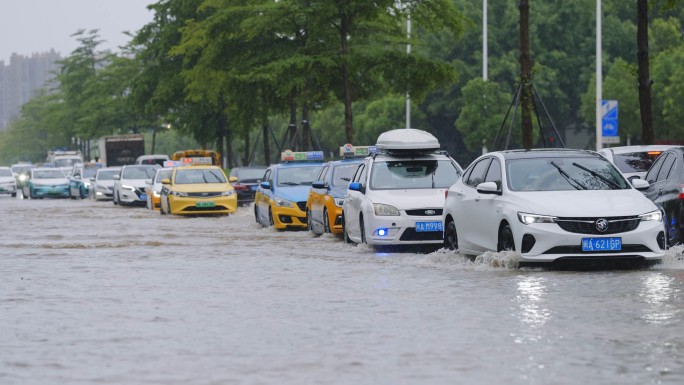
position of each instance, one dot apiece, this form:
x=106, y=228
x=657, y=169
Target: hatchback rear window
x=635, y=161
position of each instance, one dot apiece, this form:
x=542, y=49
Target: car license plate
x=143, y=197
x=428, y=226
x=602, y=244
x=205, y=204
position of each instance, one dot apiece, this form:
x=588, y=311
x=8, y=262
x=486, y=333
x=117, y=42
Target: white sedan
x=550, y=205
x=130, y=183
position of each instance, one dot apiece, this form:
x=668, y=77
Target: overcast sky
x=31, y=26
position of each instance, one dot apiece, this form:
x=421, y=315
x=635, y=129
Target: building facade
x=21, y=79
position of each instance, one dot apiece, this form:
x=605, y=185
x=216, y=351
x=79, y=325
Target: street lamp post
x=599, y=79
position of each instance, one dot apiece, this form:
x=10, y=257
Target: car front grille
x=425, y=212
x=205, y=209
x=588, y=225
x=410, y=234
x=204, y=194
x=578, y=250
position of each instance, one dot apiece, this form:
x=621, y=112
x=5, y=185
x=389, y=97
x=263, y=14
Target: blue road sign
x=609, y=120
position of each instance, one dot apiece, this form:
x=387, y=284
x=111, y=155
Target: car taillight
x=446, y=194
x=681, y=192
x=241, y=187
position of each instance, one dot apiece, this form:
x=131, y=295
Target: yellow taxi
x=280, y=199
x=326, y=197
x=197, y=189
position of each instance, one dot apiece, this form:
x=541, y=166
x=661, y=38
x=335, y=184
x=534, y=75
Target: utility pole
x=525, y=75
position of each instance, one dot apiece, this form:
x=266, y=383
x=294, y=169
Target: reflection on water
x=531, y=292
x=657, y=291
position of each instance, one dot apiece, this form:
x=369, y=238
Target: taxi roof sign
x=301, y=156
x=349, y=151
x=407, y=139
x=172, y=163
x=200, y=160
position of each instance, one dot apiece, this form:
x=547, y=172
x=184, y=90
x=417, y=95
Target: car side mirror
x=116, y=177
x=488, y=188
x=166, y=181
x=232, y=179
x=149, y=181
x=640, y=184
x=265, y=185
x=77, y=177
x=92, y=179
x=319, y=184
x=357, y=186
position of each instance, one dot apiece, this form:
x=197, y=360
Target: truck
x=120, y=150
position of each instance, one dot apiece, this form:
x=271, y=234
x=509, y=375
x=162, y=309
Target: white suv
x=396, y=196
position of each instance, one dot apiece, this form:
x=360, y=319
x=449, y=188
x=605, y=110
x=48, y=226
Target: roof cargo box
x=407, y=140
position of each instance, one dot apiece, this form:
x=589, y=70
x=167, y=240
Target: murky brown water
x=95, y=293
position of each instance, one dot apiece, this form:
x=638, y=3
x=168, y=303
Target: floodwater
x=92, y=293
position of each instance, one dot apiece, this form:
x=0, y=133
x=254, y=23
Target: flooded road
x=95, y=293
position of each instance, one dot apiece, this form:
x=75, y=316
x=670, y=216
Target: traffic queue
x=546, y=205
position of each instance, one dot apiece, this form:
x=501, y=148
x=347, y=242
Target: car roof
x=196, y=167
x=298, y=164
x=546, y=153
x=643, y=148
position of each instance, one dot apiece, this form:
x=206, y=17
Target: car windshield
x=413, y=174
x=5, y=172
x=139, y=173
x=558, y=174
x=635, y=161
x=107, y=174
x=343, y=173
x=89, y=172
x=48, y=174
x=163, y=174
x=159, y=161
x=67, y=162
x=21, y=169
x=205, y=175
x=247, y=174
x=298, y=176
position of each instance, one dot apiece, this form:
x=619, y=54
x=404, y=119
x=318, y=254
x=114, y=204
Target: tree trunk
x=306, y=129
x=247, y=150
x=292, y=128
x=267, y=147
x=525, y=75
x=644, y=81
x=346, y=80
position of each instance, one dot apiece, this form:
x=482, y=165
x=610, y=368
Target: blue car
x=280, y=199
x=79, y=182
x=46, y=182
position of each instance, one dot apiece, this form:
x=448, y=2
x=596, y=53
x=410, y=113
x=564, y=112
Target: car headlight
x=382, y=210
x=652, y=216
x=127, y=187
x=227, y=193
x=179, y=194
x=528, y=219
x=282, y=202
x=339, y=202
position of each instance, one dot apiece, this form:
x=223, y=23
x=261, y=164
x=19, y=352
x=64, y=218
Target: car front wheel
x=345, y=236
x=326, y=222
x=506, y=242
x=450, y=236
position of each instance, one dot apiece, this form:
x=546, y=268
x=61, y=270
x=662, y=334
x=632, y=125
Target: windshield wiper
x=603, y=179
x=573, y=182
x=289, y=183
